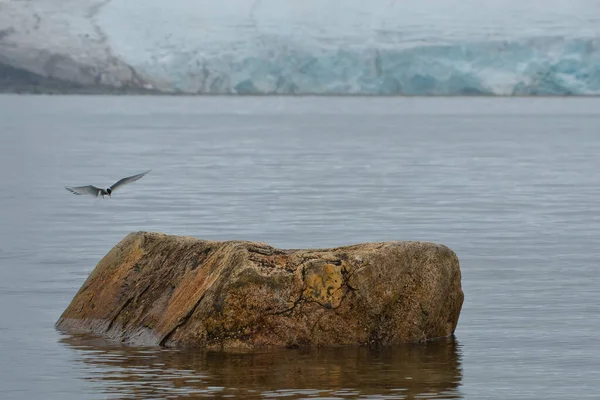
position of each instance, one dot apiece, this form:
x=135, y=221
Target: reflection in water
x=403, y=372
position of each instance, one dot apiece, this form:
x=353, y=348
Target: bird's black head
x=108, y=191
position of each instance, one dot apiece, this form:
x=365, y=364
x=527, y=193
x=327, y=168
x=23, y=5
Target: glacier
x=318, y=47
x=539, y=66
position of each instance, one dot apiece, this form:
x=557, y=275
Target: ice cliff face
x=411, y=47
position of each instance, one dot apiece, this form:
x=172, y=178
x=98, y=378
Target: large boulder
x=157, y=289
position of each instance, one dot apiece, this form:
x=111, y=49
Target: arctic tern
x=95, y=191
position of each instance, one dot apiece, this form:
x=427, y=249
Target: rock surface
x=18, y=80
x=157, y=289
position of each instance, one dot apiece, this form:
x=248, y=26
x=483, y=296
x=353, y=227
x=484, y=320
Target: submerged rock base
x=157, y=289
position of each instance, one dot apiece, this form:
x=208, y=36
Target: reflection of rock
x=168, y=290
x=399, y=372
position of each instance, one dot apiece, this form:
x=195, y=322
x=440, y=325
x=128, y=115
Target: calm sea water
x=512, y=185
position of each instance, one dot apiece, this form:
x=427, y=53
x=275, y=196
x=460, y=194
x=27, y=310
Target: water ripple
x=510, y=184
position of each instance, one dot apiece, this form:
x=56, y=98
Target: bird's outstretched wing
x=88, y=190
x=127, y=180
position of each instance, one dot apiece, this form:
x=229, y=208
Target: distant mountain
x=380, y=47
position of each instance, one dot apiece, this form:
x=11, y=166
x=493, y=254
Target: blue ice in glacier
x=380, y=47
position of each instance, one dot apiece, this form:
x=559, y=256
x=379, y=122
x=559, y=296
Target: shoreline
x=19, y=81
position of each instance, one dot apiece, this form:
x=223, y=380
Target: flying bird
x=95, y=191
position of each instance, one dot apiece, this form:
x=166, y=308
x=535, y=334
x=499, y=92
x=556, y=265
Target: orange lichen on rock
x=157, y=289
